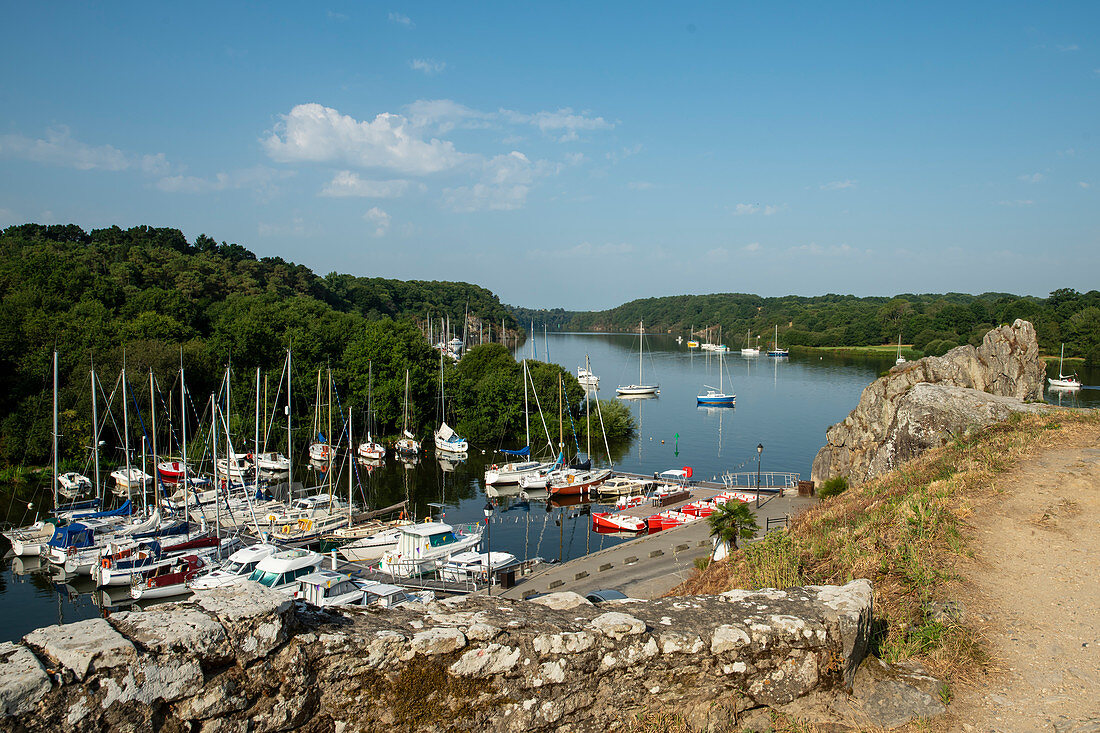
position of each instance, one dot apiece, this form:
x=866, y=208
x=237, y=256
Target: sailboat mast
x=561, y=427
x=289, y=446
x=350, y=443
x=526, y=414
x=183, y=447
x=641, y=331
x=214, y=457
x=153, y=423
x=328, y=475
x=55, y=430
x=126, y=430
x=256, y=435
x=587, y=415
x=95, y=436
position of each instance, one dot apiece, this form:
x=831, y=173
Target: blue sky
x=576, y=155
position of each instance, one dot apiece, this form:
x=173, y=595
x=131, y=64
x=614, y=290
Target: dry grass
x=907, y=532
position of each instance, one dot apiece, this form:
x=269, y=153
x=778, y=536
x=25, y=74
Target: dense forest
x=150, y=298
x=933, y=324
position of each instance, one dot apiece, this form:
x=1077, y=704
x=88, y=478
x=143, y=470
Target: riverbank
x=949, y=542
x=907, y=350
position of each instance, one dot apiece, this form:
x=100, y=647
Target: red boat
x=171, y=472
x=699, y=508
x=628, y=502
x=617, y=522
x=668, y=520
x=170, y=580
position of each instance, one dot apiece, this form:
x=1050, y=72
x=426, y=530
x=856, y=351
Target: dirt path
x=1034, y=591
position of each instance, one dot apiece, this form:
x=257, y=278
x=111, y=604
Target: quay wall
x=247, y=658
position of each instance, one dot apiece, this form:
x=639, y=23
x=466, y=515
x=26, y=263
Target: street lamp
x=488, y=510
x=759, y=455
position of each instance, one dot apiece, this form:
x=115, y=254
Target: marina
x=783, y=405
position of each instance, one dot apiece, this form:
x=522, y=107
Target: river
x=784, y=405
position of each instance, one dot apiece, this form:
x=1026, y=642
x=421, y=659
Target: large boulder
x=920, y=404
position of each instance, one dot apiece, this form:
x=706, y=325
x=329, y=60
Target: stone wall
x=920, y=404
x=245, y=657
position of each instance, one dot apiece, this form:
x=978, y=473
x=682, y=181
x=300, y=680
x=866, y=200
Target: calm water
x=783, y=404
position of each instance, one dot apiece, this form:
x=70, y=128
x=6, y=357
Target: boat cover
x=524, y=451
x=585, y=466
x=445, y=432
x=123, y=511
x=75, y=535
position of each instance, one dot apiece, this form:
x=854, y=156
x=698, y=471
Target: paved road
x=647, y=567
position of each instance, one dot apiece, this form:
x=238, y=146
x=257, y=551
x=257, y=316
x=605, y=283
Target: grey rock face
x=474, y=663
x=922, y=403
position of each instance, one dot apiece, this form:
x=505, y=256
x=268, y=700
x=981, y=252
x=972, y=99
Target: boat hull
x=723, y=399
x=1064, y=383
x=638, y=389
x=579, y=485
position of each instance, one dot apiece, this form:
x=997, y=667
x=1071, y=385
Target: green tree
x=732, y=521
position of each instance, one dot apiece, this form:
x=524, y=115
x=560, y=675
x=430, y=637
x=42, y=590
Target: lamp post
x=759, y=455
x=488, y=510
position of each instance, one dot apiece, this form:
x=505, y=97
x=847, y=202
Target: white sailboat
x=775, y=350
x=446, y=440
x=640, y=388
x=369, y=449
x=1064, y=381
x=717, y=396
x=407, y=444
x=749, y=350
x=900, y=359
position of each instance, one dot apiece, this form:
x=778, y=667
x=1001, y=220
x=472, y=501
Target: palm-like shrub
x=732, y=521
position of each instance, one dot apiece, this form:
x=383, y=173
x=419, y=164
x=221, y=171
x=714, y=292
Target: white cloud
x=401, y=19
x=640, y=186
x=1017, y=202
x=564, y=121
x=259, y=178
x=813, y=248
x=296, y=228
x=333, y=15
x=752, y=247
x=587, y=249
x=1069, y=47
x=749, y=209
x=838, y=185
x=718, y=253
x=60, y=148
x=428, y=66
x=623, y=153
x=1084, y=184
x=318, y=134
x=506, y=181
x=379, y=219
x=348, y=183
x=1032, y=177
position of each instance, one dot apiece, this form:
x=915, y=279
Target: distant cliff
x=923, y=403
x=247, y=658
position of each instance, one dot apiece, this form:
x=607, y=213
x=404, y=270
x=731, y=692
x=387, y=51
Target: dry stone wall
x=247, y=658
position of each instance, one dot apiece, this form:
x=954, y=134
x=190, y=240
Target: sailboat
x=749, y=350
x=369, y=449
x=577, y=478
x=445, y=438
x=719, y=396
x=639, y=388
x=900, y=359
x=514, y=471
x=407, y=444
x=692, y=343
x=1064, y=381
x=775, y=350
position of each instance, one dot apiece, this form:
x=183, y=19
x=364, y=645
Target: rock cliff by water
x=247, y=658
x=919, y=404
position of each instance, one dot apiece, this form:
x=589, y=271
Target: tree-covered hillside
x=150, y=294
x=932, y=323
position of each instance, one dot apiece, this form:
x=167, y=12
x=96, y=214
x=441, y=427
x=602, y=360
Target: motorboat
x=280, y=570
x=587, y=378
x=371, y=548
x=624, y=486
x=170, y=580
x=667, y=520
x=465, y=566
x=384, y=595
x=236, y=467
x=236, y=568
x=134, y=478
x=512, y=473
x=72, y=484
x=699, y=508
x=171, y=472
x=629, y=502
x=324, y=588
x=272, y=463
x=424, y=547
x=617, y=522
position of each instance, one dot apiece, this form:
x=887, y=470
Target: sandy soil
x=1033, y=590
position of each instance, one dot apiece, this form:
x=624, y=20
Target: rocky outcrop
x=247, y=658
x=920, y=404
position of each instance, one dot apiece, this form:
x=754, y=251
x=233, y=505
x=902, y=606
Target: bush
x=939, y=347
x=1092, y=359
x=834, y=486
